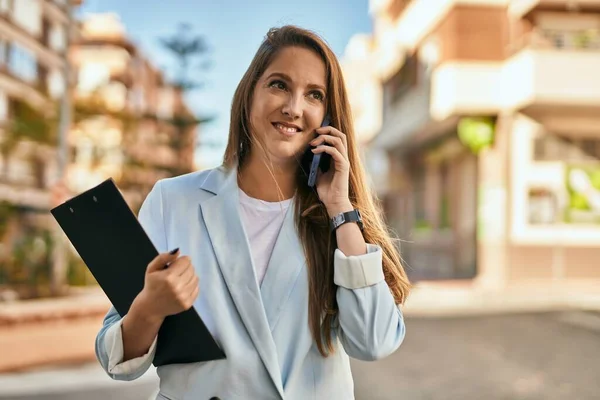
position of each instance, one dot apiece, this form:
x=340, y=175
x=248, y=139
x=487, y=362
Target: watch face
x=338, y=219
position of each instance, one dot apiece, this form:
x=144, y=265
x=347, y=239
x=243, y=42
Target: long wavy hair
x=312, y=221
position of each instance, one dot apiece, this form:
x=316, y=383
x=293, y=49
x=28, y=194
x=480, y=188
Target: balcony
x=32, y=92
x=55, y=11
x=466, y=88
x=24, y=196
x=552, y=77
x=524, y=8
x=13, y=33
x=555, y=79
x=160, y=156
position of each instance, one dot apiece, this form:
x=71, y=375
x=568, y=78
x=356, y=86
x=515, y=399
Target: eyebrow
x=287, y=78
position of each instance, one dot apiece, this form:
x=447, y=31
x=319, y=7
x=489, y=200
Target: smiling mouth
x=287, y=130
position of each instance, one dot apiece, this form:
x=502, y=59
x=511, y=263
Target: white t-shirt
x=263, y=221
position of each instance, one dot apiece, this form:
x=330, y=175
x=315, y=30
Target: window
x=56, y=83
x=57, y=37
x=28, y=15
x=3, y=51
x=166, y=103
x=419, y=196
x=446, y=189
x=137, y=99
x=570, y=30
x=22, y=63
x=92, y=76
x=3, y=106
x=404, y=79
x=573, y=39
x=5, y=6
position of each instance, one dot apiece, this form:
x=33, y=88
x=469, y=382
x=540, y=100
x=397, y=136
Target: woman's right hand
x=168, y=291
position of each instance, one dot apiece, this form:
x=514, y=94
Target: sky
x=233, y=30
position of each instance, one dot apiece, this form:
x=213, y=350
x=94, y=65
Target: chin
x=285, y=152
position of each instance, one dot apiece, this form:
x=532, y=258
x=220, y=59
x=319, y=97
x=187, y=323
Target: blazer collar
x=259, y=308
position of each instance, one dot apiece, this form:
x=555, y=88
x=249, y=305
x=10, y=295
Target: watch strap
x=345, y=217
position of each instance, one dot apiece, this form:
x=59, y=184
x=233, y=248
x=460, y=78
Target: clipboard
x=116, y=249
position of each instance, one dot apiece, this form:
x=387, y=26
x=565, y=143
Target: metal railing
x=583, y=39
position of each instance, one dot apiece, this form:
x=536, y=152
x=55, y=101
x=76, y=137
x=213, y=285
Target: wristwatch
x=342, y=218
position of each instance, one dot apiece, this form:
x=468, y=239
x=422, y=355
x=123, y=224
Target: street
x=543, y=356
x=514, y=357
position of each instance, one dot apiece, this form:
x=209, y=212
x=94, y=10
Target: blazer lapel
x=284, y=268
x=225, y=228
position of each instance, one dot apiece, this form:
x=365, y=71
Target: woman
x=288, y=294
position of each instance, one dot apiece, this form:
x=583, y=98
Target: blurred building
x=33, y=57
x=487, y=156
x=126, y=122
x=127, y=115
x=33, y=49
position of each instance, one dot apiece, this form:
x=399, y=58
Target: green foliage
x=579, y=209
x=476, y=133
x=28, y=268
x=28, y=123
x=78, y=273
x=7, y=211
x=578, y=202
x=186, y=47
x=422, y=225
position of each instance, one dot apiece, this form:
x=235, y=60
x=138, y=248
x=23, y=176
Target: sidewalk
x=86, y=381
x=460, y=298
x=50, y=331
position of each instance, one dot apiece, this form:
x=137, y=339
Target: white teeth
x=286, y=129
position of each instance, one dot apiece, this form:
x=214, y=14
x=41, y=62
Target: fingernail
x=174, y=251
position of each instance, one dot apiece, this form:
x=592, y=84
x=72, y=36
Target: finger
x=332, y=140
x=178, y=267
x=185, y=292
x=193, y=296
x=160, y=261
x=189, y=286
x=330, y=130
x=339, y=159
x=187, y=274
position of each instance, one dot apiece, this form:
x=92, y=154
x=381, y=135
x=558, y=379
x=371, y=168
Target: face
x=289, y=103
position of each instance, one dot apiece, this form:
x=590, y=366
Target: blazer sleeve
x=371, y=324
x=109, y=341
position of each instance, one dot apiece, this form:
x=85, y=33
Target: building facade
x=128, y=129
x=126, y=122
x=491, y=139
x=33, y=58
x=33, y=51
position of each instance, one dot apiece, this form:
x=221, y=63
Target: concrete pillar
x=493, y=209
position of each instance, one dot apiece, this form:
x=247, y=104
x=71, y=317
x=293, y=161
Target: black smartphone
x=311, y=163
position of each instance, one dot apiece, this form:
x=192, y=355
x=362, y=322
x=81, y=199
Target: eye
x=277, y=84
x=317, y=95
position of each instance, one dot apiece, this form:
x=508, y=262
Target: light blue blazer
x=264, y=330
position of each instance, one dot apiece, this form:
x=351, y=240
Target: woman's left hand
x=332, y=186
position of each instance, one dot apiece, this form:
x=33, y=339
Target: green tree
x=191, y=54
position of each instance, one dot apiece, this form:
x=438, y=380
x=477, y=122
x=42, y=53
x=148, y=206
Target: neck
x=258, y=182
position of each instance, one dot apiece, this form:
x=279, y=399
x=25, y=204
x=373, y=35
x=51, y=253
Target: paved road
x=84, y=382
x=553, y=356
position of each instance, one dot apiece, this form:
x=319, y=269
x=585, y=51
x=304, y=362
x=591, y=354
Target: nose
x=293, y=106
